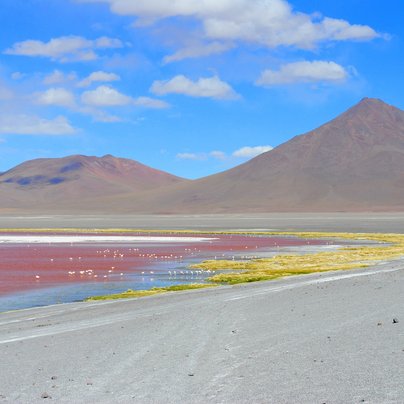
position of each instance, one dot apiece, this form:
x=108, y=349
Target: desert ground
x=335, y=337
x=338, y=222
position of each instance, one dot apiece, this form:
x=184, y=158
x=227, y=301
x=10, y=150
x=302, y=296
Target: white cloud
x=98, y=76
x=304, y=72
x=105, y=42
x=250, y=152
x=218, y=155
x=244, y=152
x=64, y=49
x=58, y=77
x=341, y=30
x=56, y=96
x=270, y=23
x=191, y=156
x=105, y=96
x=210, y=87
x=34, y=125
x=198, y=50
x=148, y=102
x=99, y=115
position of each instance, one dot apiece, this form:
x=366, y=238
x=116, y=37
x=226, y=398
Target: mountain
x=63, y=183
x=353, y=163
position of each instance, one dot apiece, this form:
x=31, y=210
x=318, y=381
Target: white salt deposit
x=68, y=239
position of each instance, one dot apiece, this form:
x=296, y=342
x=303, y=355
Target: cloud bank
x=246, y=152
x=304, y=72
x=106, y=96
x=209, y=87
x=64, y=49
x=270, y=23
x=99, y=76
x=250, y=152
x=56, y=96
x=34, y=125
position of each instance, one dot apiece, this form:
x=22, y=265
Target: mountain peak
x=370, y=115
x=371, y=105
x=371, y=101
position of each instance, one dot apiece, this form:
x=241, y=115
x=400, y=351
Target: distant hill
x=352, y=163
x=61, y=183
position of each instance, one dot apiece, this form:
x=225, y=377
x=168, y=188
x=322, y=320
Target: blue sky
x=188, y=86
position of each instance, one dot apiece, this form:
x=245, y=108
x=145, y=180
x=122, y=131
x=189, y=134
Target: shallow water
x=43, y=273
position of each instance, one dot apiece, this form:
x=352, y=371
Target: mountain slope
x=353, y=163
x=72, y=180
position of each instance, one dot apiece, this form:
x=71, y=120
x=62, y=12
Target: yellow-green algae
x=346, y=258
x=154, y=291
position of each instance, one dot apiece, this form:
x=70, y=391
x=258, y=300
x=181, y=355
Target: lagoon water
x=45, y=269
x=67, y=293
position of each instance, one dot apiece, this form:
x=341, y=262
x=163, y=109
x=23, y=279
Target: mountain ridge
x=354, y=162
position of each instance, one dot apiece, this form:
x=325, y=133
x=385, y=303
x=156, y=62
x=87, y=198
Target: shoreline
x=43, y=272
x=312, y=278
x=221, y=271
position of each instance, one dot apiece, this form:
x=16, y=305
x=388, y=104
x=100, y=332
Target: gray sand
x=315, y=339
x=355, y=222
x=320, y=338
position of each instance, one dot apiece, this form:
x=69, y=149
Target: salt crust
x=68, y=239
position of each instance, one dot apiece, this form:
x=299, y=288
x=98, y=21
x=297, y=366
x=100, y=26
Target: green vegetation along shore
x=154, y=291
x=388, y=247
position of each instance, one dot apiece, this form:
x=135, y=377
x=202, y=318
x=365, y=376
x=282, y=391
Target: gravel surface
x=355, y=222
x=329, y=338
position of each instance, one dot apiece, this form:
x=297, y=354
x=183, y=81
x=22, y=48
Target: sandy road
x=326, y=338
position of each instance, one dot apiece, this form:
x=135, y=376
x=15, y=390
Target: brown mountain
x=69, y=182
x=353, y=163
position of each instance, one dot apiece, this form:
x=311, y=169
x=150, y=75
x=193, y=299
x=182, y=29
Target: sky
x=192, y=87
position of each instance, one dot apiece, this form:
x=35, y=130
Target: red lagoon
x=34, y=266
